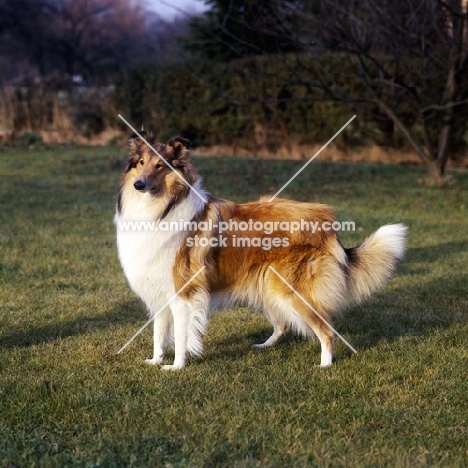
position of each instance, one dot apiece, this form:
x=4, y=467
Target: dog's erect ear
x=180, y=149
x=137, y=146
x=136, y=141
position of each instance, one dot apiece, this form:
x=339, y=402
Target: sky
x=164, y=8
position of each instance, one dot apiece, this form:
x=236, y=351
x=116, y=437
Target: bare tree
x=22, y=33
x=411, y=59
x=407, y=57
x=87, y=32
x=74, y=36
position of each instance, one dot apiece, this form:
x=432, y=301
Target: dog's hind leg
x=327, y=343
x=321, y=327
x=162, y=329
x=280, y=328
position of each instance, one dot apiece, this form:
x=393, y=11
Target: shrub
x=29, y=139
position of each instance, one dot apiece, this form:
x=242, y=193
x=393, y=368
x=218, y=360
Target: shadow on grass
x=430, y=255
x=241, y=344
x=411, y=311
x=127, y=312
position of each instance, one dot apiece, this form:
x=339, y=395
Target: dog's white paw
x=153, y=361
x=171, y=367
x=259, y=346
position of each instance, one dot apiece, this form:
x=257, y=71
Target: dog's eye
x=141, y=162
x=159, y=165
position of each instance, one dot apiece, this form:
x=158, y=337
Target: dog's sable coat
x=158, y=263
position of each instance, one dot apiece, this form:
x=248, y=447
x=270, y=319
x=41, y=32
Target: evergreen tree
x=239, y=28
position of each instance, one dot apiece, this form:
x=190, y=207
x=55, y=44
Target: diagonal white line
x=161, y=309
x=167, y=164
x=316, y=313
x=312, y=158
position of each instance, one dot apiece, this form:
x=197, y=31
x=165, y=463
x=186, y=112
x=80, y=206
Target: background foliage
x=264, y=76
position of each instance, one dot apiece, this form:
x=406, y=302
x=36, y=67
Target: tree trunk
x=444, y=143
x=447, y=118
x=436, y=168
x=435, y=174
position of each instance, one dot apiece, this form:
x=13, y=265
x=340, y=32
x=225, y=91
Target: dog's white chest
x=148, y=259
x=146, y=251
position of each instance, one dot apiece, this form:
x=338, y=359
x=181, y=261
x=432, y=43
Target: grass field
x=67, y=399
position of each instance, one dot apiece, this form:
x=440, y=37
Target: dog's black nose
x=139, y=185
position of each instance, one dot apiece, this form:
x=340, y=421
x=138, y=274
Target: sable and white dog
x=159, y=262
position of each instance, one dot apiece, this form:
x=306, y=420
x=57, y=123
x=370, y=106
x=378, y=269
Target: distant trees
x=88, y=32
x=408, y=58
x=81, y=36
x=232, y=29
x=404, y=61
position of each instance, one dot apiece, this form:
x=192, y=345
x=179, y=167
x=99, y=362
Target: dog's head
x=159, y=168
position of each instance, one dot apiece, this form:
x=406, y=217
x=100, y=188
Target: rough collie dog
x=312, y=276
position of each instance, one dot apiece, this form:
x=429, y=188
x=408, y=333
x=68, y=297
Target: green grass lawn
x=67, y=399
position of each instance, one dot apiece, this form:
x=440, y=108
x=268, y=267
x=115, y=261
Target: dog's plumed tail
x=371, y=264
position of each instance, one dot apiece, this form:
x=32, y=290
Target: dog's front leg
x=181, y=314
x=162, y=325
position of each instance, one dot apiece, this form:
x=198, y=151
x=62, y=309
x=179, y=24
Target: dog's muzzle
x=139, y=185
